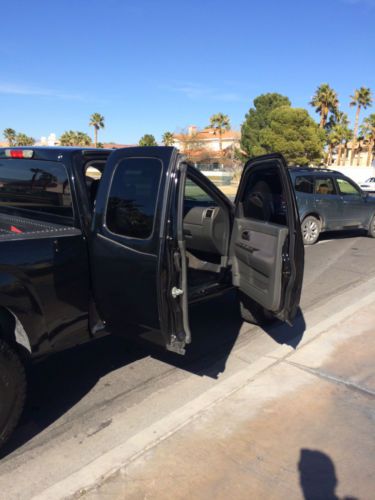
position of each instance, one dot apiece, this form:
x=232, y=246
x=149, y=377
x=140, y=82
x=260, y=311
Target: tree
x=82, y=139
x=168, y=139
x=338, y=134
x=147, y=140
x=324, y=100
x=72, y=138
x=220, y=122
x=333, y=140
x=362, y=98
x=24, y=140
x=258, y=119
x=368, y=132
x=10, y=135
x=96, y=121
x=293, y=133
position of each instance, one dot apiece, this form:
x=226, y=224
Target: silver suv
x=329, y=201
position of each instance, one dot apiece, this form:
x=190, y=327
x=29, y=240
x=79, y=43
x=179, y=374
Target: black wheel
x=310, y=230
x=12, y=390
x=371, y=229
x=253, y=313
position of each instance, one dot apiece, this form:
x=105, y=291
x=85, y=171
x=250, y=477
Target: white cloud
x=17, y=89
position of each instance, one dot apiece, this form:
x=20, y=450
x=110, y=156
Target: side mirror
x=364, y=195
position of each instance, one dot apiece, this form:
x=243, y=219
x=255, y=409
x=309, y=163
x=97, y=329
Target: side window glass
x=195, y=195
x=36, y=186
x=133, y=196
x=346, y=187
x=324, y=185
x=304, y=184
x=263, y=198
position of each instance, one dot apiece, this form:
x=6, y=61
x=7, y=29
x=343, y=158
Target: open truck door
x=137, y=270
x=266, y=248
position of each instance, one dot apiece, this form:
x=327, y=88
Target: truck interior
x=206, y=229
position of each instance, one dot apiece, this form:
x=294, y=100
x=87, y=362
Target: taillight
x=19, y=153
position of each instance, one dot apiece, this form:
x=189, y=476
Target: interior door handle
x=245, y=235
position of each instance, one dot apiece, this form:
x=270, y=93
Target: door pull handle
x=245, y=235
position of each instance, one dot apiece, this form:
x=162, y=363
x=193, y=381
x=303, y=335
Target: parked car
x=369, y=185
x=126, y=252
x=330, y=201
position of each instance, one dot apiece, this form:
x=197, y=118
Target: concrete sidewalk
x=301, y=428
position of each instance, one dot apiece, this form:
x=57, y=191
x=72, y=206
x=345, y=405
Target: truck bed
x=15, y=227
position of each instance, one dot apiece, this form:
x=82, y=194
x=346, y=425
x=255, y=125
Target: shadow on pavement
x=285, y=334
x=342, y=235
x=318, y=476
x=59, y=382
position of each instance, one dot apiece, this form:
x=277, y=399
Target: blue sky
x=154, y=65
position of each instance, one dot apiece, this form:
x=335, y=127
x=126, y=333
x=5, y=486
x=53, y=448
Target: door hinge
x=176, y=292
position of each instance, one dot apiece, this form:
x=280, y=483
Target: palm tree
x=368, y=132
x=220, y=122
x=10, y=135
x=72, y=138
x=333, y=140
x=362, y=98
x=96, y=121
x=168, y=139
x=324, y=100
x=68, y=138
x=82, y=139
x=24, y=140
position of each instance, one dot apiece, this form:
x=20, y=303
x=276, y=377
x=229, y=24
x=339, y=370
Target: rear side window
x=304, y=184
x=324, y=185
x=36, y=186
x=133, y=196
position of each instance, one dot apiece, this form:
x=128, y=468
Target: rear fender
x=21, y=314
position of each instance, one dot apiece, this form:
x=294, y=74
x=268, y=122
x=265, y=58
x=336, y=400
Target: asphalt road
x=75, y=395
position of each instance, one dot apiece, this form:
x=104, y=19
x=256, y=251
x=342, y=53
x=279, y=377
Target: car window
x=324, y=185
x=347, y=188
x=194, y=193
x=36, y=186
x=304, y=184
x=264, y=198
x=133, y=196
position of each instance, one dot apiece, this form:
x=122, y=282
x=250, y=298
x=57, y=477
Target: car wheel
x=253, y=313
x=12, y=390
x=310, y=230
x=371, y=229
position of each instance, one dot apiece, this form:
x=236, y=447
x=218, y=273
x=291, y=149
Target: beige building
x=362, y=158
x=207, y=144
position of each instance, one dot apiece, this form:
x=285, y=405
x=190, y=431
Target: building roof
x=210, y=134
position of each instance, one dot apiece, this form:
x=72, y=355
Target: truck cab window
x=36, y=186
x=133, y=196
x=263, y=199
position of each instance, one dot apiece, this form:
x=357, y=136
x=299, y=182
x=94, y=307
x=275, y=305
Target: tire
x=12, y=390
x=253, y=313
x=310, y=227
x=371, y=229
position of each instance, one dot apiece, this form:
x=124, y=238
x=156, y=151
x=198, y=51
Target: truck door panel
x=266, y=249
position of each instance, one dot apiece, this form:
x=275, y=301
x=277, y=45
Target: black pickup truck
x=122, y=241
